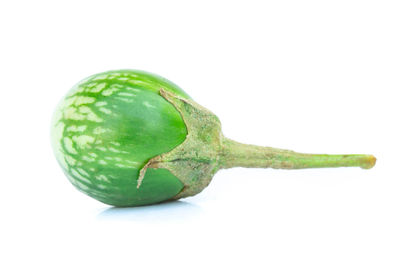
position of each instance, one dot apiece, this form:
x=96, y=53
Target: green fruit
x=129, y=138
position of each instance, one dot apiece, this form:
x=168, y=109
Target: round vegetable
x=129, y=138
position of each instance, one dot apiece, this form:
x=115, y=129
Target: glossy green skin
x=106, y=129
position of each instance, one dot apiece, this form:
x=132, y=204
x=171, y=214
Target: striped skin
x=106, y=129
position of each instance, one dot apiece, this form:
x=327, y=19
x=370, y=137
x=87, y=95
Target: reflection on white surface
x=175, y=211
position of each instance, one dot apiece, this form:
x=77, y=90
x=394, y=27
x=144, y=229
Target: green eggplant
x=131, y=138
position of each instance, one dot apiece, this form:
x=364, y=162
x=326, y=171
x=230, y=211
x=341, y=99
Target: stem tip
x=369, y=162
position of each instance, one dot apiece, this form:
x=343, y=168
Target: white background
x=312, y=76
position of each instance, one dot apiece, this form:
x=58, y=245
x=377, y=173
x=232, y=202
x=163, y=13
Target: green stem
x=235, y=154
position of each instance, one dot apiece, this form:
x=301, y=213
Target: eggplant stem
x=236, y=154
